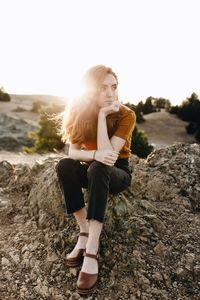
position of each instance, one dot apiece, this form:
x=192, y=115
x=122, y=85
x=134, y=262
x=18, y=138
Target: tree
x=160, y=103
x=138, y=112
x=189, y=111
x=139, y=141
x=148, y=106
x=197, y=134
x=4, y=97
x=46, y=138
x=37, y=106
x=139, y=144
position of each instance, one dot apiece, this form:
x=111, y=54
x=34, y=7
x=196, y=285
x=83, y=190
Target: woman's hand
x=110, y=107
x=107, y=157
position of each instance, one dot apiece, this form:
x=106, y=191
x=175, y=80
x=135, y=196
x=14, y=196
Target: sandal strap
x=84, y=234
x=90, y=255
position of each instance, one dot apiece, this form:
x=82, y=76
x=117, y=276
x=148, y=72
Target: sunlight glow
x=152, y=46
x=74, y=90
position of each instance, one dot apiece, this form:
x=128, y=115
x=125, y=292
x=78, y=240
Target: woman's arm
x=83, y=155
x=107, y=149
x=103, y=141
x=105, y=156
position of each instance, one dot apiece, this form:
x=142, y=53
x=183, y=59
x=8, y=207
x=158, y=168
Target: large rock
x=6, y=173
x=149, y=244
x=170, y=174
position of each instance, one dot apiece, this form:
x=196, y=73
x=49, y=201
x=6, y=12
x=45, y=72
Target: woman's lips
x=109, y=102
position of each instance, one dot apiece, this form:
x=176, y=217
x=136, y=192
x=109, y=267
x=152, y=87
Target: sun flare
x=149, y=58
x=74, y=91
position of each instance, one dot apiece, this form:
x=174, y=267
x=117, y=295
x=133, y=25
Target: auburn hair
x=79, y=120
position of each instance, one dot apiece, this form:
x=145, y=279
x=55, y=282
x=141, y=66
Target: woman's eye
x=103, y=88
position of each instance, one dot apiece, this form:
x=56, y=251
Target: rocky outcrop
x=150, y=241
x=14, y=133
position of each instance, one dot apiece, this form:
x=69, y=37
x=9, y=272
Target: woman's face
x=107, y=92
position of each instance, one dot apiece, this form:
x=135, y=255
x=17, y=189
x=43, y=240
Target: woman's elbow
x=71, y=154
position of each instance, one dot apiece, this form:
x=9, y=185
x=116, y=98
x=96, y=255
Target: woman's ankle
x=92, y=248
x=82, y=242
x=84, y=228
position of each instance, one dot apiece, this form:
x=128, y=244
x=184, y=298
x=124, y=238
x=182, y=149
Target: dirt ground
x=20, y=106
x=164, y=129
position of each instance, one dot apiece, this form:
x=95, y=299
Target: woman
x=99, y=131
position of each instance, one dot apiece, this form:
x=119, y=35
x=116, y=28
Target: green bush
x=189, y=111
x=197, y=134
x=38, y=105
x=46, y=138
x=148, y=106
x=161, y=103
x=139, y=144
x=137, y=110
x=174, y=110
x=4, y=97
x=191, y=128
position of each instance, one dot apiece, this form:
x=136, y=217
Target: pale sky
x=152, y=45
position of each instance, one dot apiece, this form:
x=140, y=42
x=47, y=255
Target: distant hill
x=164, y=129
x=46, y=98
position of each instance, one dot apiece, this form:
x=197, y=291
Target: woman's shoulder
x=126, y=111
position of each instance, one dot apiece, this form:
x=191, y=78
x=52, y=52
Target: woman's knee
x=98, y=168
x=65, y=166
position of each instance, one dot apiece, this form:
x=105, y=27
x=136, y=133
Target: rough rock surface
x=149, y=244
x=14, y=133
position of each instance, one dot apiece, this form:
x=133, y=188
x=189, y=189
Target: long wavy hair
x=79, y=120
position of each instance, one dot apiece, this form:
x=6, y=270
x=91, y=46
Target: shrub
x=137, y=110
x=160, y=103
x=148, y=106
x=46, y=138
x=38, y=105
x=191, y=127
x=4, y=97
x=197, y=134
x=174, y=110
x=189, y=111
x=139, y=144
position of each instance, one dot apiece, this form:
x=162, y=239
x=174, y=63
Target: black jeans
x=100, y=180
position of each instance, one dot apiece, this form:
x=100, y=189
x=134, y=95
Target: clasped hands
x=106, y=156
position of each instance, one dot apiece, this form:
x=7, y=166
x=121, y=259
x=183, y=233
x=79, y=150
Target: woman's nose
x=109, y=92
